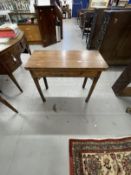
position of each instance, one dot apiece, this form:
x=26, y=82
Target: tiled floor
x=35, y=141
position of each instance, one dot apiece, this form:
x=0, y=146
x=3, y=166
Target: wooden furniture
x=27, y=23
x=32, y=33
x=110, y=34
x=5, y=102
x=47, y=18
x=66, y=64
x=10, y=56
x=88, y=18
x=114, y=41
x=120, y=87
x=81, y=17
x=95, y=28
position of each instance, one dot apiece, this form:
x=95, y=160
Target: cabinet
x=111, y=35
x=47, y=21
x=47, y=18
x=114, y=41
x=27, y=22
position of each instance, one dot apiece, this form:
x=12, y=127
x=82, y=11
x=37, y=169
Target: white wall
x=47, y=2
x=44, y=2
x=32, y=6
x=40, y=2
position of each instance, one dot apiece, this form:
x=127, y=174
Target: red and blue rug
x=100, y=157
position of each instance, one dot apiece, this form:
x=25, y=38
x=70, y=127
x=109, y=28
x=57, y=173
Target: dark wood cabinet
x=47, y=18
x=111, y=35
x=114, y=41
x=95, y=28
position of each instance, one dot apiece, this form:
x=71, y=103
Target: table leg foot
x=84, y=83
x=128, y=110
x=45, y=81
x=8, y=104
x=39, y=88
x=93, y=86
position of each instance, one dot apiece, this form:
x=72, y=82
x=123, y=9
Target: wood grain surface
x=66, y=59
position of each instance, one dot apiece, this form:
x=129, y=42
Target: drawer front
x=11, y=60
x=63, y=73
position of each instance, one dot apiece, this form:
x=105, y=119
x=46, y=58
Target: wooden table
x=10, y=56
x=66, y=64
x=10, y=60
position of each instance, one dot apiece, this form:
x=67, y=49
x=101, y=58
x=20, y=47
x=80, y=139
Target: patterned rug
x=100, y=157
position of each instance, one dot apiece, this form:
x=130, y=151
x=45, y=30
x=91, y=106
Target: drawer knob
x=14, y=59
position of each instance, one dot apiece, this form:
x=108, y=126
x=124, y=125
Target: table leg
x=93, y=86
x=45, y=81
x=84, y=83
x=128, y=110
x=8, y=104
x=36, y=81
x=14, y=80
x=12, y=77
x=27, y=48
x=120, y=87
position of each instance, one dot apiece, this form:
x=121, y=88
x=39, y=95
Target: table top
x=66, y=59
x=11, y=42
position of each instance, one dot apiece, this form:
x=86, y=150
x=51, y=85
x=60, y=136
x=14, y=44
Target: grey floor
x=35, y=141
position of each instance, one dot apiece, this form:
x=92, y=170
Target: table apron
x=64, y=73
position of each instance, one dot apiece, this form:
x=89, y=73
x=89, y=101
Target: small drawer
x=12, y=61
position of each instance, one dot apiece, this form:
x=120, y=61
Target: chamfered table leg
x=7, y=104
x=128, y=110
x=36, y=81
x=12, y=77
x=84, y=83
x=45, y=81
x=93, y=86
